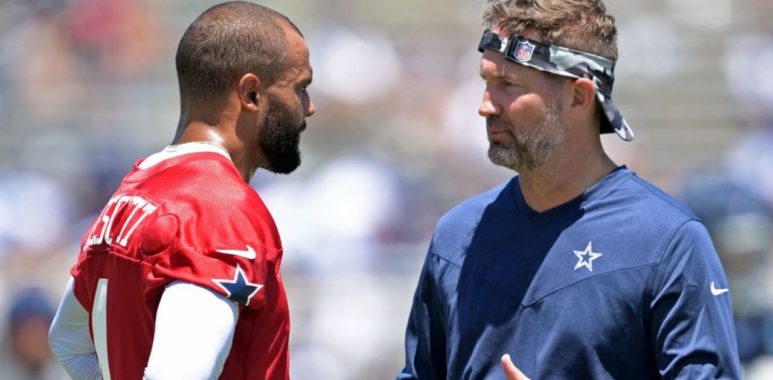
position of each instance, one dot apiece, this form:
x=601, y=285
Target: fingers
x=510, y=370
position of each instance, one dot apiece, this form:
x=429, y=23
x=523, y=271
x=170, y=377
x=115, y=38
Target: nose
x=487, y=107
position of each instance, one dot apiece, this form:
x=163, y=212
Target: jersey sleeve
x=69, y=338
x=425, y=343
x=221, y=249
x=193, y=325
x=692, y=321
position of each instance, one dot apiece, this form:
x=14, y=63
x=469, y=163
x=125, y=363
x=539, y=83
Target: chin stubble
x=530, y=152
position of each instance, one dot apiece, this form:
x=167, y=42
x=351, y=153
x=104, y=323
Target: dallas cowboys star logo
x=586, y=257
x=239, y=289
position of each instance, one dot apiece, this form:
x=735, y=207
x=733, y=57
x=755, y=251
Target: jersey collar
x=181, y=149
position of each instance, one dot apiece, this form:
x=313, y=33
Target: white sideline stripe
x=99, y=324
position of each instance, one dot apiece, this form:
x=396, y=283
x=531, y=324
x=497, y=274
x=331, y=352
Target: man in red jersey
x=178, y=277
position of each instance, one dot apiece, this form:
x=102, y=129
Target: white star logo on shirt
x=586, y=257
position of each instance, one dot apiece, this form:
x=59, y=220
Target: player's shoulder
x=204, y=189
x=212, y=180
x=212, y=171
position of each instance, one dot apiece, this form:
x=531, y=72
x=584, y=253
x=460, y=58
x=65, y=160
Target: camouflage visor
x=567, y=63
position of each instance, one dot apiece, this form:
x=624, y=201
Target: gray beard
x=529, y=152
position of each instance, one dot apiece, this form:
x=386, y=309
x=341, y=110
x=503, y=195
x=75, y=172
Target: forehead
x=296, y=46
x=494, y=64
x=298, y=65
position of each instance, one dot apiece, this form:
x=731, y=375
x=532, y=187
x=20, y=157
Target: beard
x=530, y=149
x=280, y=138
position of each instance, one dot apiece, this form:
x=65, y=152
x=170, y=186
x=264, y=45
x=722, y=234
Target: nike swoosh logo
x=248, y=253
x=716, y=291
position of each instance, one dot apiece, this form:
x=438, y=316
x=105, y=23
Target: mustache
x=496, y=121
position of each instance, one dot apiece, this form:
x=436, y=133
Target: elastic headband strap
x=552, y=59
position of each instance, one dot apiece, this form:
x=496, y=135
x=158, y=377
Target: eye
x=510, y=84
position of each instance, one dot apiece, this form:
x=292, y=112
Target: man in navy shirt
x=577, y=268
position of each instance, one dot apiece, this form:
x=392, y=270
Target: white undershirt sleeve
x=70, y=340
x=194, y=331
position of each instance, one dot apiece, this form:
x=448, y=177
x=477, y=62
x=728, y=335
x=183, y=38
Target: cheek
x=293, y=106
x=305, y=100
x=300, y=110
x=526, y=109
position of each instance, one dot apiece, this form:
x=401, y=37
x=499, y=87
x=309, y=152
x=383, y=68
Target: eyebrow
x=498, y=76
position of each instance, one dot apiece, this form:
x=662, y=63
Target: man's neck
x=195, y=131
x=563, y=178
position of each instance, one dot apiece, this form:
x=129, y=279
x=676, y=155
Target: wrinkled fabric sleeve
x=692, y=326
x=194, y=330
x=425, y=341
x=70, y=339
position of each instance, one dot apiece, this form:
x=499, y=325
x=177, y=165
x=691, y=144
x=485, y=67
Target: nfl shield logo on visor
x=523, y=51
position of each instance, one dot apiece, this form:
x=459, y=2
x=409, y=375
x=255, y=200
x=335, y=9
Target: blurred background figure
x=750, y=159
x=741, y=208
x=741, y=225
x=87, y=87
x=25, y=354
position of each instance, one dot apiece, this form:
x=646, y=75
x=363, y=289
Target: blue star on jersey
x=586, y=257
x=239, y=289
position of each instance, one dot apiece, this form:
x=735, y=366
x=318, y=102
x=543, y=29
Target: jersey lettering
x=118, y=220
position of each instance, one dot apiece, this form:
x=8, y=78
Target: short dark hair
x=577, y=24
x=227, y=41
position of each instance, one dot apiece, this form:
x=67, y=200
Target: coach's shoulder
x=649, y=200
x=456, y=227
x=468, y=213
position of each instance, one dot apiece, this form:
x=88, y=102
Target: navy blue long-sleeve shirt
x=622, y=282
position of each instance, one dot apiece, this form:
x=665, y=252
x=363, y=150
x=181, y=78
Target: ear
x=584, y=96
x=249, y=92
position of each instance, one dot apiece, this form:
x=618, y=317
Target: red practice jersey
x=190, y=218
